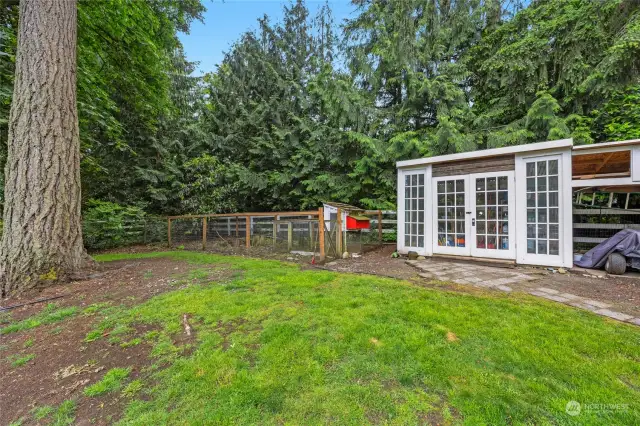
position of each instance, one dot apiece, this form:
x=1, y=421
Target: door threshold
x=498, y=263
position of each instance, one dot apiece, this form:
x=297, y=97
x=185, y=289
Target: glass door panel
x=492, y=195
x=451, y=228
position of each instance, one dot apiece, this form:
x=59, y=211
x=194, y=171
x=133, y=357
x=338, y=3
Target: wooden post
x=247, y=238
x=169, y=232
x=321, y=233
x=380, y=226
x=204, y=233
x=275, y=231
x=290, y=236
x=339, y=233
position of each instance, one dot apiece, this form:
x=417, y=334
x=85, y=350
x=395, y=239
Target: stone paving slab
x=497, y=278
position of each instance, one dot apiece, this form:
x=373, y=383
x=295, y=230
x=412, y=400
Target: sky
x=225, y=21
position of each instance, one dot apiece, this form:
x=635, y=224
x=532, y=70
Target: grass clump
x=111, y=381
x=50, y=314
x=20, y=361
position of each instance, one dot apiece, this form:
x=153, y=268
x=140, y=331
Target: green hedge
x=108, y=225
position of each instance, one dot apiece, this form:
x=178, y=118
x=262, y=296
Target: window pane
x=542, y=215
x=450, y=186
x=531, y=231
x=491, y=242
x=491, y=198
x=531, y=184
x=441, y=200
x=553, y=167
x=442, y=227
x=460, y=185
x=481, y=227
x=503, y=243
x=460, y=242
x=503, y=182
x=480, y=200
x=531, y=199
x=531, y=246
x=480, y=241
x=421, y=204
x=480, y=214
x=441, y=187
x=553, y=232
x=491, y=184
x=542, y=246
x=542, y=199
x=480, y=184
x=531, y=215
x=460, y=226
x=503, y=197
x=553, y=183
x=491, y=227
x=460, y=212
x=542, y=183
x=420, y=241
x=407, y=241
x=414, y=180
x=441, y=214
x=451, y=199
x=407, y=180
x=542, y=231
x=442, y=240
x=553, y=199
x=421, y=191
x=542, y=168
x=531, y=169
x=503, y=228
x=421, y=179
x=503, y=213
x=414, y=191
x=491, y=213
x=554, y=248
x=460, y=199
x=553, y=216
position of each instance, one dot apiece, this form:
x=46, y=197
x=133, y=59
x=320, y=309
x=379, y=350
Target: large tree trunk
x=42, y=238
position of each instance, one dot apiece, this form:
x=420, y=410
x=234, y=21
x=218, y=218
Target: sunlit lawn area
x=275, y=344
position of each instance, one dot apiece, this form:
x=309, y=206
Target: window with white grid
x=543, y=214
x=414, y=210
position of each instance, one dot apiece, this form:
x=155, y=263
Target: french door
x=473, y=215
x=492, y=210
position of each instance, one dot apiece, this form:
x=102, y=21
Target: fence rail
x=592, y=225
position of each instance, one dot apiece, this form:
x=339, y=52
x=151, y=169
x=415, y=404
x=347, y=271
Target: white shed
x=511, y=203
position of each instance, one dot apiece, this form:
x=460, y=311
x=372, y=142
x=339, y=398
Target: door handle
x=473, y=221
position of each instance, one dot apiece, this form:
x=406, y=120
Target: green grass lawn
x=275, y=344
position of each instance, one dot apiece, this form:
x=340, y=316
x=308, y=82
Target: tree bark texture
x=42, y=238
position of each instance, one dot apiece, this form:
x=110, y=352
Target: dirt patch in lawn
x=376, y=262
x=60, y=363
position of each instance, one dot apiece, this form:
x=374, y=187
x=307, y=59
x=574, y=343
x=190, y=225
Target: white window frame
x=426, y=250
x=565, y=219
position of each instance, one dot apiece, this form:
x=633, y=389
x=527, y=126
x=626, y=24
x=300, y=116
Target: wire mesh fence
x=283, y=232
x=592, y=225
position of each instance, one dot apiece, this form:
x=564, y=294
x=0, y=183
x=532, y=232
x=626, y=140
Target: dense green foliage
x=305, y=110
x=107, y=225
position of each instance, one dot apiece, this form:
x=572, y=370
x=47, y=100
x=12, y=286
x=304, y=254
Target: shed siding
x=481, y=165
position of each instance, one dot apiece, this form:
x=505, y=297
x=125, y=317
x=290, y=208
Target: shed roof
x=539, y=146
x=342, y=206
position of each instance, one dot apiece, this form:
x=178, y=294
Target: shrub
x=108, y=225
